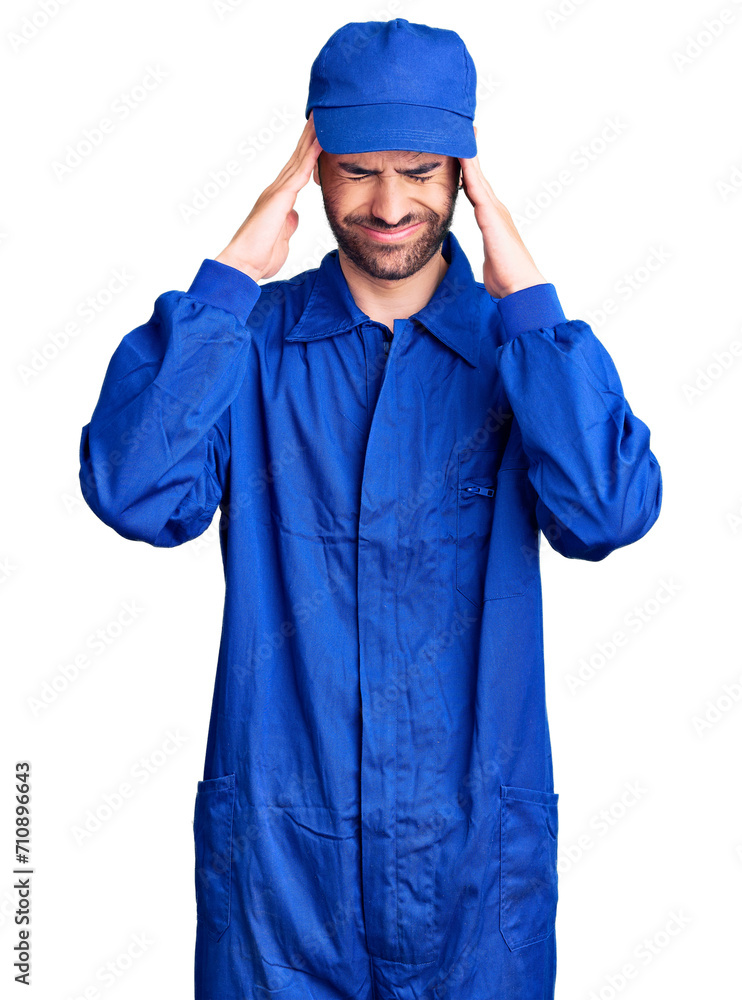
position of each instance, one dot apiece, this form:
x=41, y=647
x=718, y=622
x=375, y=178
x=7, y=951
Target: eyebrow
x=355, y=168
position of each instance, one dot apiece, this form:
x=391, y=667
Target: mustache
x=384, y=226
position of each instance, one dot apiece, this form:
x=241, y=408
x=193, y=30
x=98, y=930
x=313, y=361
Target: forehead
x=379, y=159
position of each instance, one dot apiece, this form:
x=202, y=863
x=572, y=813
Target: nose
x=390, y=202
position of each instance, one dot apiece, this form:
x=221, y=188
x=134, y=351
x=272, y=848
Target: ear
x=315, y=172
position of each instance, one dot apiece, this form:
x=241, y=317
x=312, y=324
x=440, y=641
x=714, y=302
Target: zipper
x=485, y=491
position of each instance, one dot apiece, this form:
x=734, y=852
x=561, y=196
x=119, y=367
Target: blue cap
x=394, y=85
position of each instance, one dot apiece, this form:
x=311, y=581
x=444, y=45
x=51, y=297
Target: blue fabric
x=377, y=817
x=394, y=85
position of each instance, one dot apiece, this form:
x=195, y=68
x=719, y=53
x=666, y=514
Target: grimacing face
x=369, y=198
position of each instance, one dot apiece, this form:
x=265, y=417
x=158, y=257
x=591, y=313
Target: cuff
x=225, y=287
x=531, y=308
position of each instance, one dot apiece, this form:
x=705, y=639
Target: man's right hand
x=261, y=244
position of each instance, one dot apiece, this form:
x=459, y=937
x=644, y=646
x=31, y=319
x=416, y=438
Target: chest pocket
x=513, y=557
x=497, y=535
x=475, y=504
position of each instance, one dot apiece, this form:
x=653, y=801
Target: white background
x=654, y=192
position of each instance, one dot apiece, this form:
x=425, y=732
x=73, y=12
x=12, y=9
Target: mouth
x=391, y=235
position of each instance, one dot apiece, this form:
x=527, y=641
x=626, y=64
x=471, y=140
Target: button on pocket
x=529, y=826
x=476, y=485
x=212, y=832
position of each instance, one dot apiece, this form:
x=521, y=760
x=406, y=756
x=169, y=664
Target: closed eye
x=412, y=177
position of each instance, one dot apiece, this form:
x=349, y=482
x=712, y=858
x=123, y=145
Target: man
x=377, y=817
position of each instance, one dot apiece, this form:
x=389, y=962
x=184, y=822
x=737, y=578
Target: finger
x=296, y=172
x=309, y=156
x=305, y=143
x=472, y=165
x=315, y=147
x=310, y=129
x=299, y=169
x=473, y=178
x=309, y=145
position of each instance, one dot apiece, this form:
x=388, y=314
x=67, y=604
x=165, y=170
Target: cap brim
x=369, y=128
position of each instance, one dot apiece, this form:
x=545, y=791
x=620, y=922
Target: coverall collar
x=452, y=314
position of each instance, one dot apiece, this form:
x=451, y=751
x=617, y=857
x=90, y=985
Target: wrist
x=521, y=283
x=225, y=257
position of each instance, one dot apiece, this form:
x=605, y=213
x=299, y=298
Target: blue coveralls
x=377, y=817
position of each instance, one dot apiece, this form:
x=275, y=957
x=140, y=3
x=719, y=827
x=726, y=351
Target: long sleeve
x=599, y=486
x=153, y=457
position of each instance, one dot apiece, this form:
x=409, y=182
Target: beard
x=390, y=261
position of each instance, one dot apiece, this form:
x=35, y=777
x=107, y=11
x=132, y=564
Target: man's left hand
x=508, y=266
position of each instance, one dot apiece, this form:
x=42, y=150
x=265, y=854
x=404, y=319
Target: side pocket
x=212, y=833
x=529, y=827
